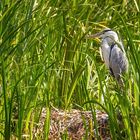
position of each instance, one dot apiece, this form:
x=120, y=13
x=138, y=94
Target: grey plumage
x=118, y=62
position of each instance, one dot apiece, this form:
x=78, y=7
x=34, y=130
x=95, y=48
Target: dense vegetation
x=46, y=61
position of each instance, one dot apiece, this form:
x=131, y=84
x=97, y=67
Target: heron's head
x=106, y=33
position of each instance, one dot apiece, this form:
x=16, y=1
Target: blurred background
x=45, y=62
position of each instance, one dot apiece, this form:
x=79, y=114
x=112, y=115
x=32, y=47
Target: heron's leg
x=119, y=80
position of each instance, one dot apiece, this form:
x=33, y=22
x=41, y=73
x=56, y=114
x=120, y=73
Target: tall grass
x=45, y=60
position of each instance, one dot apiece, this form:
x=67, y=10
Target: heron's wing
x=118, y=62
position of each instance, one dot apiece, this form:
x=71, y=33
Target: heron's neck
x=110, y=41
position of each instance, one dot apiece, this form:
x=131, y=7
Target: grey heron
x=113, y=52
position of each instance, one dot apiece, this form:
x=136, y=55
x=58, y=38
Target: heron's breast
x=105, y=53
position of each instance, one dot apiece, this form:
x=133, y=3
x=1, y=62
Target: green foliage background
x=46, y=61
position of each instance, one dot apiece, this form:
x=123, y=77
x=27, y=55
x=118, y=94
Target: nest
x=73, y=124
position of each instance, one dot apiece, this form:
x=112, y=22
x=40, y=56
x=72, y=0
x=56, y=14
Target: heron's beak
x=94, y=35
